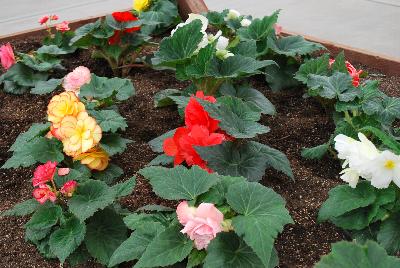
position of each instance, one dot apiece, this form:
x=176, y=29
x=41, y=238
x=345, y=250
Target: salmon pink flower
x=69, y=188
x=95, y=159
x=201, y=224
x=7, y=57
x=126, y=16
x=63, y=26
x=76, y=79
x=44, y=193
x=63, y=171
x=44, y=173
x=53, y=17
x=80, y=133
x=43, y=20
x=61, y=105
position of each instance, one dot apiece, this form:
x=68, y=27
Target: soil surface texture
x=298, y=123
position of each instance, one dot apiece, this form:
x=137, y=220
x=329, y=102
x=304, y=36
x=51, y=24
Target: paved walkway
x=20, y=15
x=368, y=24
x=372, y=25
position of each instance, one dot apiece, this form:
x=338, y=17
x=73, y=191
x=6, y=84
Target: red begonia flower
x=126, y=16
x=196, y=115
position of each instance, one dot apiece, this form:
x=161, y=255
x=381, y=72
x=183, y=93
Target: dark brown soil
x=299, y=123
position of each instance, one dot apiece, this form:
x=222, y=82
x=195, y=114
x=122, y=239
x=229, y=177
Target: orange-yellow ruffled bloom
x=64, y=104
x=96, y=158
x=80, y=133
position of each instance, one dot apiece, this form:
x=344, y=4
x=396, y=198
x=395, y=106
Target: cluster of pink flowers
x=7, y=57
x=352, y=71
x=77, y=78
x=44, y=174
x=62, y=27
x=201, y=224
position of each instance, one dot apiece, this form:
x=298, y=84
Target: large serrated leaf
x=249, y=94
x=66, y=239
x=90, y=197
x=39, y=149
x=262, y=215
x=236, y=117
x=169, y=247
x=35, y=130
x=104, y=234
x=109, y=120
x=21, y=209
x=136, y=244
x=389, y=234
x=103, y=87
x=350, y=254
x=236, y=66
x=181, y=45
x=319, y=66
x=45, y=87
x=293, y=46
x=343, y=199
x=259, y=29
x=179, y=182
x=227, y=251
x=114, y=144
x=339, y=86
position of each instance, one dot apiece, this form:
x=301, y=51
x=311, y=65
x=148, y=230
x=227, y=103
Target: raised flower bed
x=298, y=123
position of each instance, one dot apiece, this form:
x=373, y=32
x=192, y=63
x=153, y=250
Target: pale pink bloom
x=63, y=26
x=43, y=19
x=68, y=188
x=53, y=17
x=77, y=78
x=201, y=224
x=44, y=173
x=44, y=193
x=278, y=29
x=331, y=61
x=7, y=57
x=63, y=171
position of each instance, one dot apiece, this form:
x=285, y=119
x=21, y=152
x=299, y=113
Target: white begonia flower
x=245, y=22
x=222, y=43
x=351, y=176
x=232, y=14
x=345, y=146
x=204, y=21
x=221, y=47
x=384, y=169
x=212, y=37
x=365, y=160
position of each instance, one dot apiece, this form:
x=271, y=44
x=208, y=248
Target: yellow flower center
x=389, y=164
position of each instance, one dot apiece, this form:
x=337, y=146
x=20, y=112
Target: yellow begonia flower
x=141, y=5
x=96, y=158
x=64, y=104
x=80, y=133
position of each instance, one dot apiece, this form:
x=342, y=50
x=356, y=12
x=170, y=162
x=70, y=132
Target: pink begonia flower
x=278, y=29
x=43, y=20
x=7, y=57
x=44, y=193
x=53, y=17
x=63, y=26
x=68, y=188
x=77, y=78
x=352, y=71
x=201, y=224
x=63, y=171
x=44, y=173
